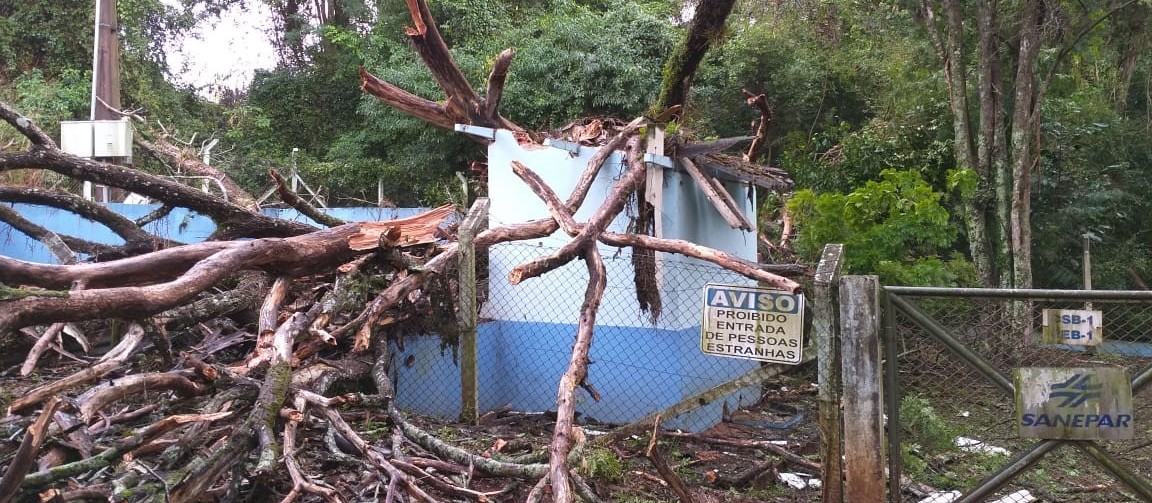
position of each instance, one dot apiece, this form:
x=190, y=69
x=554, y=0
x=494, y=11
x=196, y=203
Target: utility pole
x=105, y=71
x=105, y=63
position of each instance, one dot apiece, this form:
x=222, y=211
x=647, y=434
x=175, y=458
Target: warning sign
x=752, y=323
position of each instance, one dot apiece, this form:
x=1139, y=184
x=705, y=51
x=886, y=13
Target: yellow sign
x=752, y=323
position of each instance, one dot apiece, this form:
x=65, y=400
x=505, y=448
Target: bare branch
x=299, y=255
x=26, y=127
x=430, y=46
x=404, y=101
x=577, y=372
x=113, y=360
x=232, y=220
x=496, y=81
x=612, y=206
x=294, y=200
x=190, y=163
x=136, y=239
x=26, y=453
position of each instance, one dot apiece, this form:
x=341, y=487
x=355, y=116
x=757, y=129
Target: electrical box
x=76, y=138
x=112, y=139
x=106, y=138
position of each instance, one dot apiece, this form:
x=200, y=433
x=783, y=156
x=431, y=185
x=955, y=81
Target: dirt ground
x=727, y=462
x=730, y=462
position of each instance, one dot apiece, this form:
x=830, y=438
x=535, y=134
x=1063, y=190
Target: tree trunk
x=1025, y=123
x=975, y=215
x=1135, y=39
x=990, y=152
x=707, y=28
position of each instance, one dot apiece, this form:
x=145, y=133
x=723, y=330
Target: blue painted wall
x=638, y=366
x=180, y=225
x=637, y=371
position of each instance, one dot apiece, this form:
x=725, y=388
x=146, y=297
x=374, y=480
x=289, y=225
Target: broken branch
x=26, y=454
x=612, y=206
x=577, y=372
x=653, y=455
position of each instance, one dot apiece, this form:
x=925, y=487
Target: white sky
x=226, y=51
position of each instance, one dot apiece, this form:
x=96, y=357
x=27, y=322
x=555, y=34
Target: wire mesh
x=958, y=427
x=641, y=361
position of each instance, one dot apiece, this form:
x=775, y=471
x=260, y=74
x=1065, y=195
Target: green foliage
x=929, y=452
x=842, y=158
x=42, y=35
x=601, y=463
x=48, y=102
x=55, y=37
x=148, y=26
x=824, y=66
x=310, y=107
x=929, y=271
x=924, y=426
x=1093, y=181
x=964, y=181
x=577, y=61
x=926, y=435
x=895, y=227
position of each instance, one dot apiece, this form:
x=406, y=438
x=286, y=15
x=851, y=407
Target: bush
x=895, y=227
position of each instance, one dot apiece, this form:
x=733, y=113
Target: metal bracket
x=659, y=160
x=572, y=147
x=477, y=131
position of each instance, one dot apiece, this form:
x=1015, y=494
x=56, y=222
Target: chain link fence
x=642, y=361
x=959, y=427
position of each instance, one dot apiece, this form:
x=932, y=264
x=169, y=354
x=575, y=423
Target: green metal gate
x=950, y=356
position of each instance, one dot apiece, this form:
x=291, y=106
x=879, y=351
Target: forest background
x=947, y=143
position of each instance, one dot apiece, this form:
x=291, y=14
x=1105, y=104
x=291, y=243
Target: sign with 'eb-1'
x=752, y=323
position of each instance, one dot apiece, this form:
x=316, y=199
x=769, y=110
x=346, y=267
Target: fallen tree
x=320, y=298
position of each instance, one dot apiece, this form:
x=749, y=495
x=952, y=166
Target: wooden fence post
x=826, y=337
x=466, y=304
x=863, y=398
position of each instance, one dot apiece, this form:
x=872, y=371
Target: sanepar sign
x=1074, y=403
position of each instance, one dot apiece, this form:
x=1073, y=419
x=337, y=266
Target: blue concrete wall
x=638, y=366
x=637, y=371
x=181, y=225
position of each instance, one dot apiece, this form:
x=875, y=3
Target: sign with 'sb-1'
x=1072, y=326
x=752, y=323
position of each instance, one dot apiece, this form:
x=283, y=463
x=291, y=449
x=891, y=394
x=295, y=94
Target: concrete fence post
x=826, y=339
x=466, y=304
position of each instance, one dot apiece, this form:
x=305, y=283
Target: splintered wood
x=411, y=231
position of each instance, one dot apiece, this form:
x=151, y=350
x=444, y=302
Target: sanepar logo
x=1074, y=403
x=1076, y=390
x=1075, y=393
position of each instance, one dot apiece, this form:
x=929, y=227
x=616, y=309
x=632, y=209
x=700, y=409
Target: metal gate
x=951, y=355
